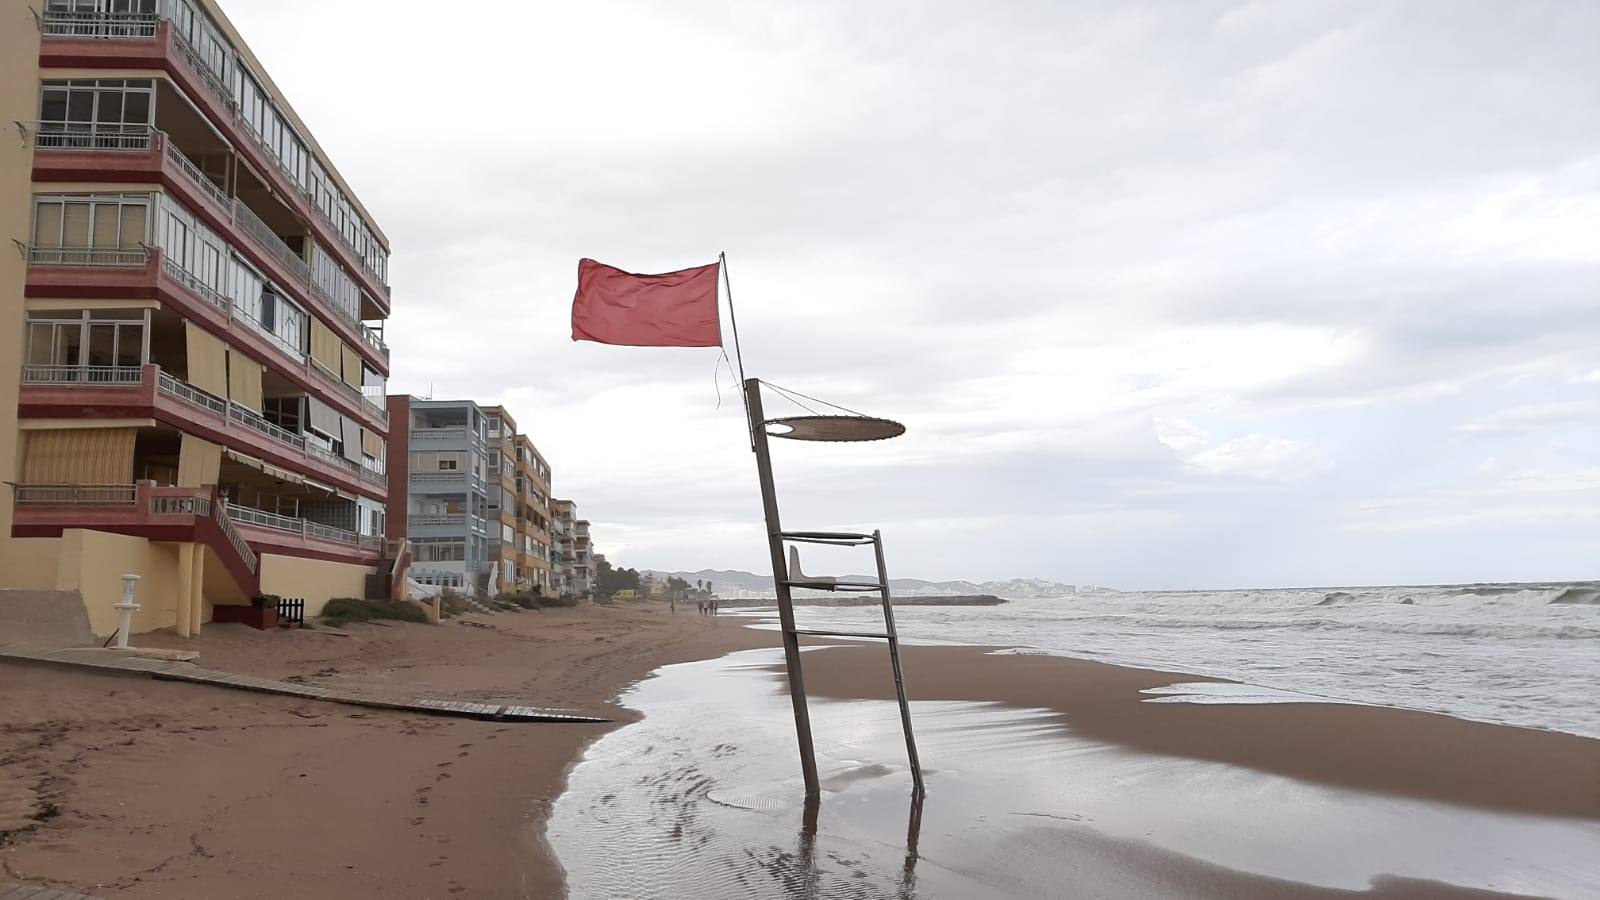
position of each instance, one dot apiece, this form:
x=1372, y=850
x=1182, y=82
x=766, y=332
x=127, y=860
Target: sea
x=1513, y=654
x=701, y=796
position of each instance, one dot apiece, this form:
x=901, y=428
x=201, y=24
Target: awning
x=243, y=459
x=352, y=440
x=324, y=418
x=318, y=485
x=283, y=474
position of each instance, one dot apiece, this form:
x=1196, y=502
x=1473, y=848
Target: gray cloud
x=1177, y=294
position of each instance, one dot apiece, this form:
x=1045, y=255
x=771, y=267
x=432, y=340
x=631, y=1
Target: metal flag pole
x=791, y=640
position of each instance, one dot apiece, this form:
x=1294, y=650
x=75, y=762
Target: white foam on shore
x=1211, y=692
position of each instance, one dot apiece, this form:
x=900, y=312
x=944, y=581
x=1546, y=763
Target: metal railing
x=108, y=25
x=303, y=527
x=372, y=339
x=88, y=256
x=331, y=458
x=75, y=494
x=250, y=420
x=435, y=520
x=192, y=395
x=204, y=291
x=371, y=477
x=93, y=136
x=112, y=376
x=268, y=240
x=261, y=329
x=231, y=532
x=438, y=434
x=439, y=477
x=199, y=178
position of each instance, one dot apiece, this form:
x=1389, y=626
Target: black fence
x=291, y=612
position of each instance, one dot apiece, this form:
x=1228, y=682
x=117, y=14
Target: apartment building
x=439, y=492
x=534, y=552
x=193, y=379
x=572, y=540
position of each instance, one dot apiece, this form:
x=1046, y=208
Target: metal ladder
x=785, y=582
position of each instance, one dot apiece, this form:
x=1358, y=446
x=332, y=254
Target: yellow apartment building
x=192, y=370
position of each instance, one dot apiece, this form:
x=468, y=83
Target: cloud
x=1163, y=292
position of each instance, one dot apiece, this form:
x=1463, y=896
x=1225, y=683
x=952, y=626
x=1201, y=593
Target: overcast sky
x=1179, y=294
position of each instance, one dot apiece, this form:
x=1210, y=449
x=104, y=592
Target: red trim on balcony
x=154, y=167
x=40, y=401
x=153, y=283
x=158, y=53
x=282, y=543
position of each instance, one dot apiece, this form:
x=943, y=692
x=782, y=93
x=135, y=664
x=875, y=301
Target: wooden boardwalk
x=180, y=671
x=10, y=890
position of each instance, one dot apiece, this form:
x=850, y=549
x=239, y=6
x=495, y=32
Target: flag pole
x=722, y=265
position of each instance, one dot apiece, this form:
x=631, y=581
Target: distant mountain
x=732, y=582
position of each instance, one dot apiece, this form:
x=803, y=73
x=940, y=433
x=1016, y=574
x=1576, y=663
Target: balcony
x=145, y=510
x=252, y=521
x=141, y=41
x=147, y=273
x=430, y=435
x=140, y=153
x=435, y=520
x=147, y=392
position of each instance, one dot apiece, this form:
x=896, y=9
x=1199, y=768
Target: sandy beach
x=156, y=789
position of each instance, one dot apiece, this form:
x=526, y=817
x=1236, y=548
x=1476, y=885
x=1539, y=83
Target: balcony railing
x=74, y=494
x=92, y=136
x=88, y=256
x=204, y=291
x=205, y=184
x=303, y=527
x=438, y=477
x=192, y=395
x=268, y=240
x=252, y=421
x=109, y=25
x=231, y=532
x=111, y=376
x=433, y=520
x=331, y=458
x=438, y=434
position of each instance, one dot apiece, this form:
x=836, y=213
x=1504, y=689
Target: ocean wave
x=1584, y=596
x=1452, y=629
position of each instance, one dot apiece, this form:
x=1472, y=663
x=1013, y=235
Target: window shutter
x=47, y=225
x=76, y=231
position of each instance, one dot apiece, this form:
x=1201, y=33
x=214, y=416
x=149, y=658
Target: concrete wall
x=315, y=580
x=19, y=102
x=93, y=562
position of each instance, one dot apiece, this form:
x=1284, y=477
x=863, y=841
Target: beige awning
x=79, y=456
x=283, y=474
x=352, y=439
x=325, y=346
x=244, y=381
x=243, y=458
x=199, y=462
x=352, y=366
x=318, y=485
x=208, y=360
x=372, y=443
x=324, y=418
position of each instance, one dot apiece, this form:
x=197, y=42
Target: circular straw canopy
x=834, y=428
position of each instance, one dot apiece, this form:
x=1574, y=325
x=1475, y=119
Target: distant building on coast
x=439, y=492
x=519, y=496
x=193, y=370
x=572, y=536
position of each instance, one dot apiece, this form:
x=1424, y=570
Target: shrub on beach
x=351, y=609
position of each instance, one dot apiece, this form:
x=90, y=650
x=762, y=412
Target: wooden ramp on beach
x=10, y=890
x=181, y=671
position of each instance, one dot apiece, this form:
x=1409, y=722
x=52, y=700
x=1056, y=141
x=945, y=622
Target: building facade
x=439, y=492
x=572, y=542
x=534, y=552
x=192, y=380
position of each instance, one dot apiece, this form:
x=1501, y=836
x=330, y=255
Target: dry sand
x=128, y=787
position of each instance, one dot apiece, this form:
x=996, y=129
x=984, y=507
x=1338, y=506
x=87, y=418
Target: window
x=91, y=221
x=449, y=465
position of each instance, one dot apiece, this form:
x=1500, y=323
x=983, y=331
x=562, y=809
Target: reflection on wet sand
x=699, y=800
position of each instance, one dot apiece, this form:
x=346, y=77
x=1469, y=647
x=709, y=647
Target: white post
x=125, y=610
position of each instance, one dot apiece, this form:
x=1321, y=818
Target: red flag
x=676, y=309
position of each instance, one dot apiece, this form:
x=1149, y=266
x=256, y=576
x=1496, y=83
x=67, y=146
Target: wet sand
x=1378, y=749
x=129, y=787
